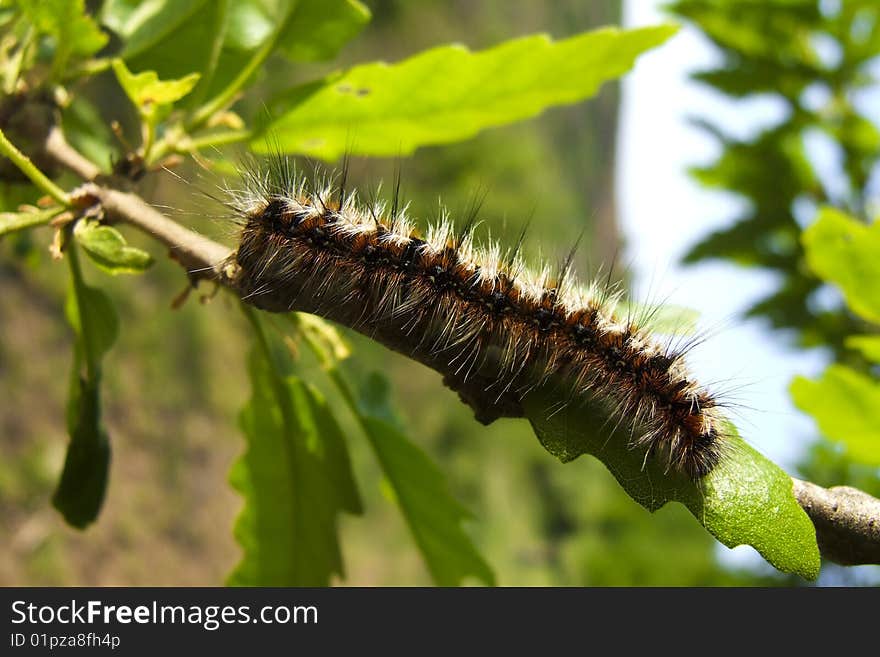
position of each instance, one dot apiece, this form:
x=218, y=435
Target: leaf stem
x=278, y=386
x=149, y=137
x=11, y=222
x=29, y=169
x=79, y=285
x=262, y=341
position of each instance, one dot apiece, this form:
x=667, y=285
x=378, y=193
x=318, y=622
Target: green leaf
x=108, y=249
x=295, y=477
x=142, y=25
x=299, y=29
x=172, y=37
x=745, y=167
x=88, y=133
x=746, y=499
x=101, y=327
x=74, y=32
x=14, y=221
x=81, y=489
x=868, y=345
x=846, y=252
x=749, y=77
x=448, y=93
x=846, y=406
x=318, y=29
x=314, y=30
x=243, y=31
x=776, y=30
x=147, y=92
x=83, y=483
x=221, y=37
x=414, y=482
x=252, y=22
x=434, y=517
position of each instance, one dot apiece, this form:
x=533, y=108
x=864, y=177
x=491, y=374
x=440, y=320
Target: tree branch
x=63, y=153
x=847, y=520
x=202, y=257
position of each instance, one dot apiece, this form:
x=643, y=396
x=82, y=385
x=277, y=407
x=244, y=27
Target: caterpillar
x=491, y=325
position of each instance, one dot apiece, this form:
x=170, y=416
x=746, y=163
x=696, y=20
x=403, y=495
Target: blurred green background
x=176, y=379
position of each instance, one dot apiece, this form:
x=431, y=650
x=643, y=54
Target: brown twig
x=57, y=148
x=202, y=257
x=847, y=522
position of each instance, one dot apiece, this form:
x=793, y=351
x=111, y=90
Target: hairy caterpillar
x=493, y=327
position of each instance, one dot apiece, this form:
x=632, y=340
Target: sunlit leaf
x=14, y=221
x=142, y=25
x=846, y=252
x=434, y=517
x=449, y=93
x=416, y=485
x=295, y=477
x=148, y=92
x=252, y=22
x=846, y=406
x=74, y=32
x=221, y=37
x=312, y=29
x=173, y=38
x=318, y=29
x=248, y=26
x=746, y=499
x=108, y=249
x=868, y=345
x=776, y=29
